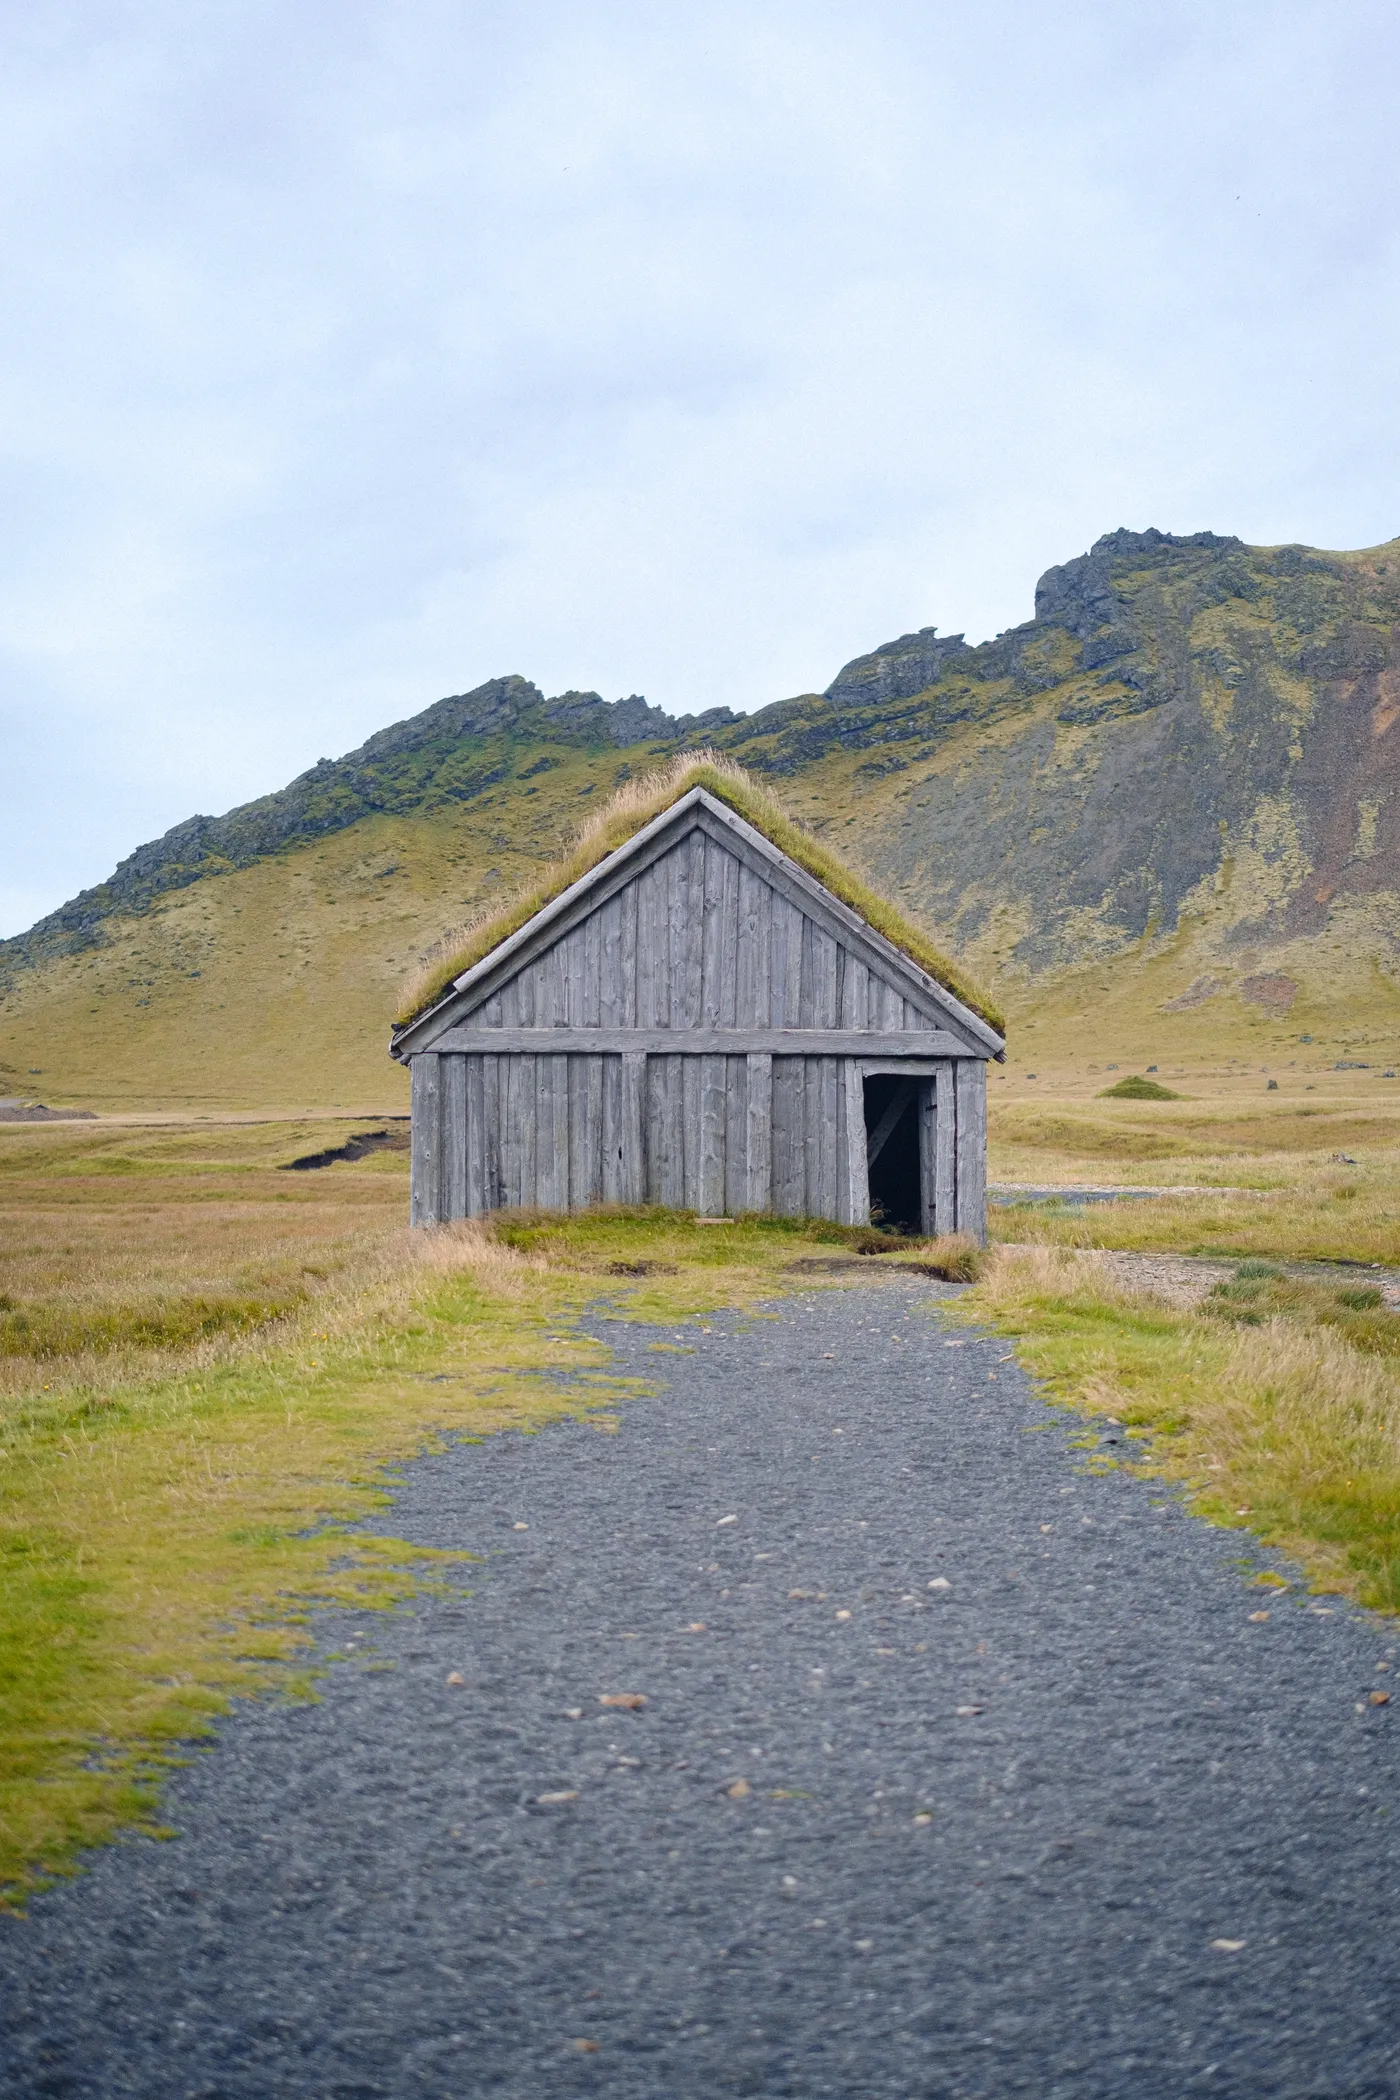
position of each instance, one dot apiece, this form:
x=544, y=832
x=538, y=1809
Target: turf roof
x=634, y=805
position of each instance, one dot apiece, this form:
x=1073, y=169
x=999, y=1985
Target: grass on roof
x=633, y=806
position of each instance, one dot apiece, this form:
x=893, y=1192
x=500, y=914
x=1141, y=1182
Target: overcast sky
x=355, y=351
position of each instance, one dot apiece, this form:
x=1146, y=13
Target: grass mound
x=1136, y=1088
x=633, y=806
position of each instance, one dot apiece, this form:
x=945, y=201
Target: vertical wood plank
x=728, y=936
x=789, y=1134
x=855, y=994
x=559, y=1157
x=758, y=1134
x=453, y=1084
x=945, y=1214
x=691, y=857
x=593, y=982
x=610, y=964
x=593, y=1125
x=627, y=965
x=690, y=1131
x=510, y=1004
x=824, y=1135
x=712, y=943
x=736, y=1106
x=610, y=1134
x=580, y=1178
x=542, y=1183
x=806, y=982
x=795, y=924
x=477, y=1197
x=713, y=1121
x=927, y=1109
x=826, y=979
x=425, y=1139
x=525, y=1106
x=634, y=1173
x=652, y=923
x=857, y=1211
x=490, y=1016
x=972, y=1148
x=492, y=1095
x=677, y=930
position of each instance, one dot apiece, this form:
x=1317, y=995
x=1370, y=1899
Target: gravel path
x=961, y=1772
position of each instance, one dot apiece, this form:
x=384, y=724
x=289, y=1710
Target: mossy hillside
x=1157, y=820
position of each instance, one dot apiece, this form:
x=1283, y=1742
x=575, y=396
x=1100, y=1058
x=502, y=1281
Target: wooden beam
x=704, y=1042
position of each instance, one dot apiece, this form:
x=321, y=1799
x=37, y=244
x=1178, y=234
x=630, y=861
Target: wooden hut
x=699, y=1021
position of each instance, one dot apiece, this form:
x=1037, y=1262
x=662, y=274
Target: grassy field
x=210, y=1367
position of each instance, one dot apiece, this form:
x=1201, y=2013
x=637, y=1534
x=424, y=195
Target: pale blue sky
x=354, y=352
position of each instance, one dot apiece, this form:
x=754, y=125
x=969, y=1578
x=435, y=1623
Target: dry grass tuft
x=634, y=805
x=470, y=1247
x=1290, y=1424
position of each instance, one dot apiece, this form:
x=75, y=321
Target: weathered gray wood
x=709, y=1042
x=885, y=1128
x=927, y=1091
x=758, y=1133
x=627, y=958
x=945, y=1208
x=632, y=1178
x=826, y=979
x=783, y=879
x=728, y=938
x=789, y=1136
x=525, y=1104
x=857, y=1208
x=557, y=1180
x=580, y=1180
x=610, y=1131
x=712, y=907
x=478, y=1198
x=653, y=951
x=753, y=988
x=826, y=1137
x=710, y=1196
x=425, y=1156
x=493, y=1097
x=693, y=883
x=972, y=1148
x=453, y=1084
x=806, y=987
x=591, y=1012
x=736, y=1116
x=670, y=1134
x=692, y=1073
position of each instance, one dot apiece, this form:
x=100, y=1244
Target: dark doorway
x=892, y=1148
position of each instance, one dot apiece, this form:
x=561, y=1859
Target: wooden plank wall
x=716, y=1135
x=698, y=940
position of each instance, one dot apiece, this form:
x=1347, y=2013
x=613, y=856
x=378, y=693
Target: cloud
x=356, y=353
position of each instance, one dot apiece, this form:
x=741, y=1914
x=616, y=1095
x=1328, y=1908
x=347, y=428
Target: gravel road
x=961, y=1772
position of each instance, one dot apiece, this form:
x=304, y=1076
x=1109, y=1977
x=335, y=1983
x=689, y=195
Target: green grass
x=174, y=1506
x=1276, y=1405
x=1136, y=1088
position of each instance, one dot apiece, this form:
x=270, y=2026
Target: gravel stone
x=962, y=1771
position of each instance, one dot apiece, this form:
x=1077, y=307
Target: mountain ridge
x=1177, y=779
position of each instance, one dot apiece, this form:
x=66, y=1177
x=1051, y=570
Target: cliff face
x=1184, y=718
x=1186, y=765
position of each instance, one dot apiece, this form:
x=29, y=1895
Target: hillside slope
x=1163, y=811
